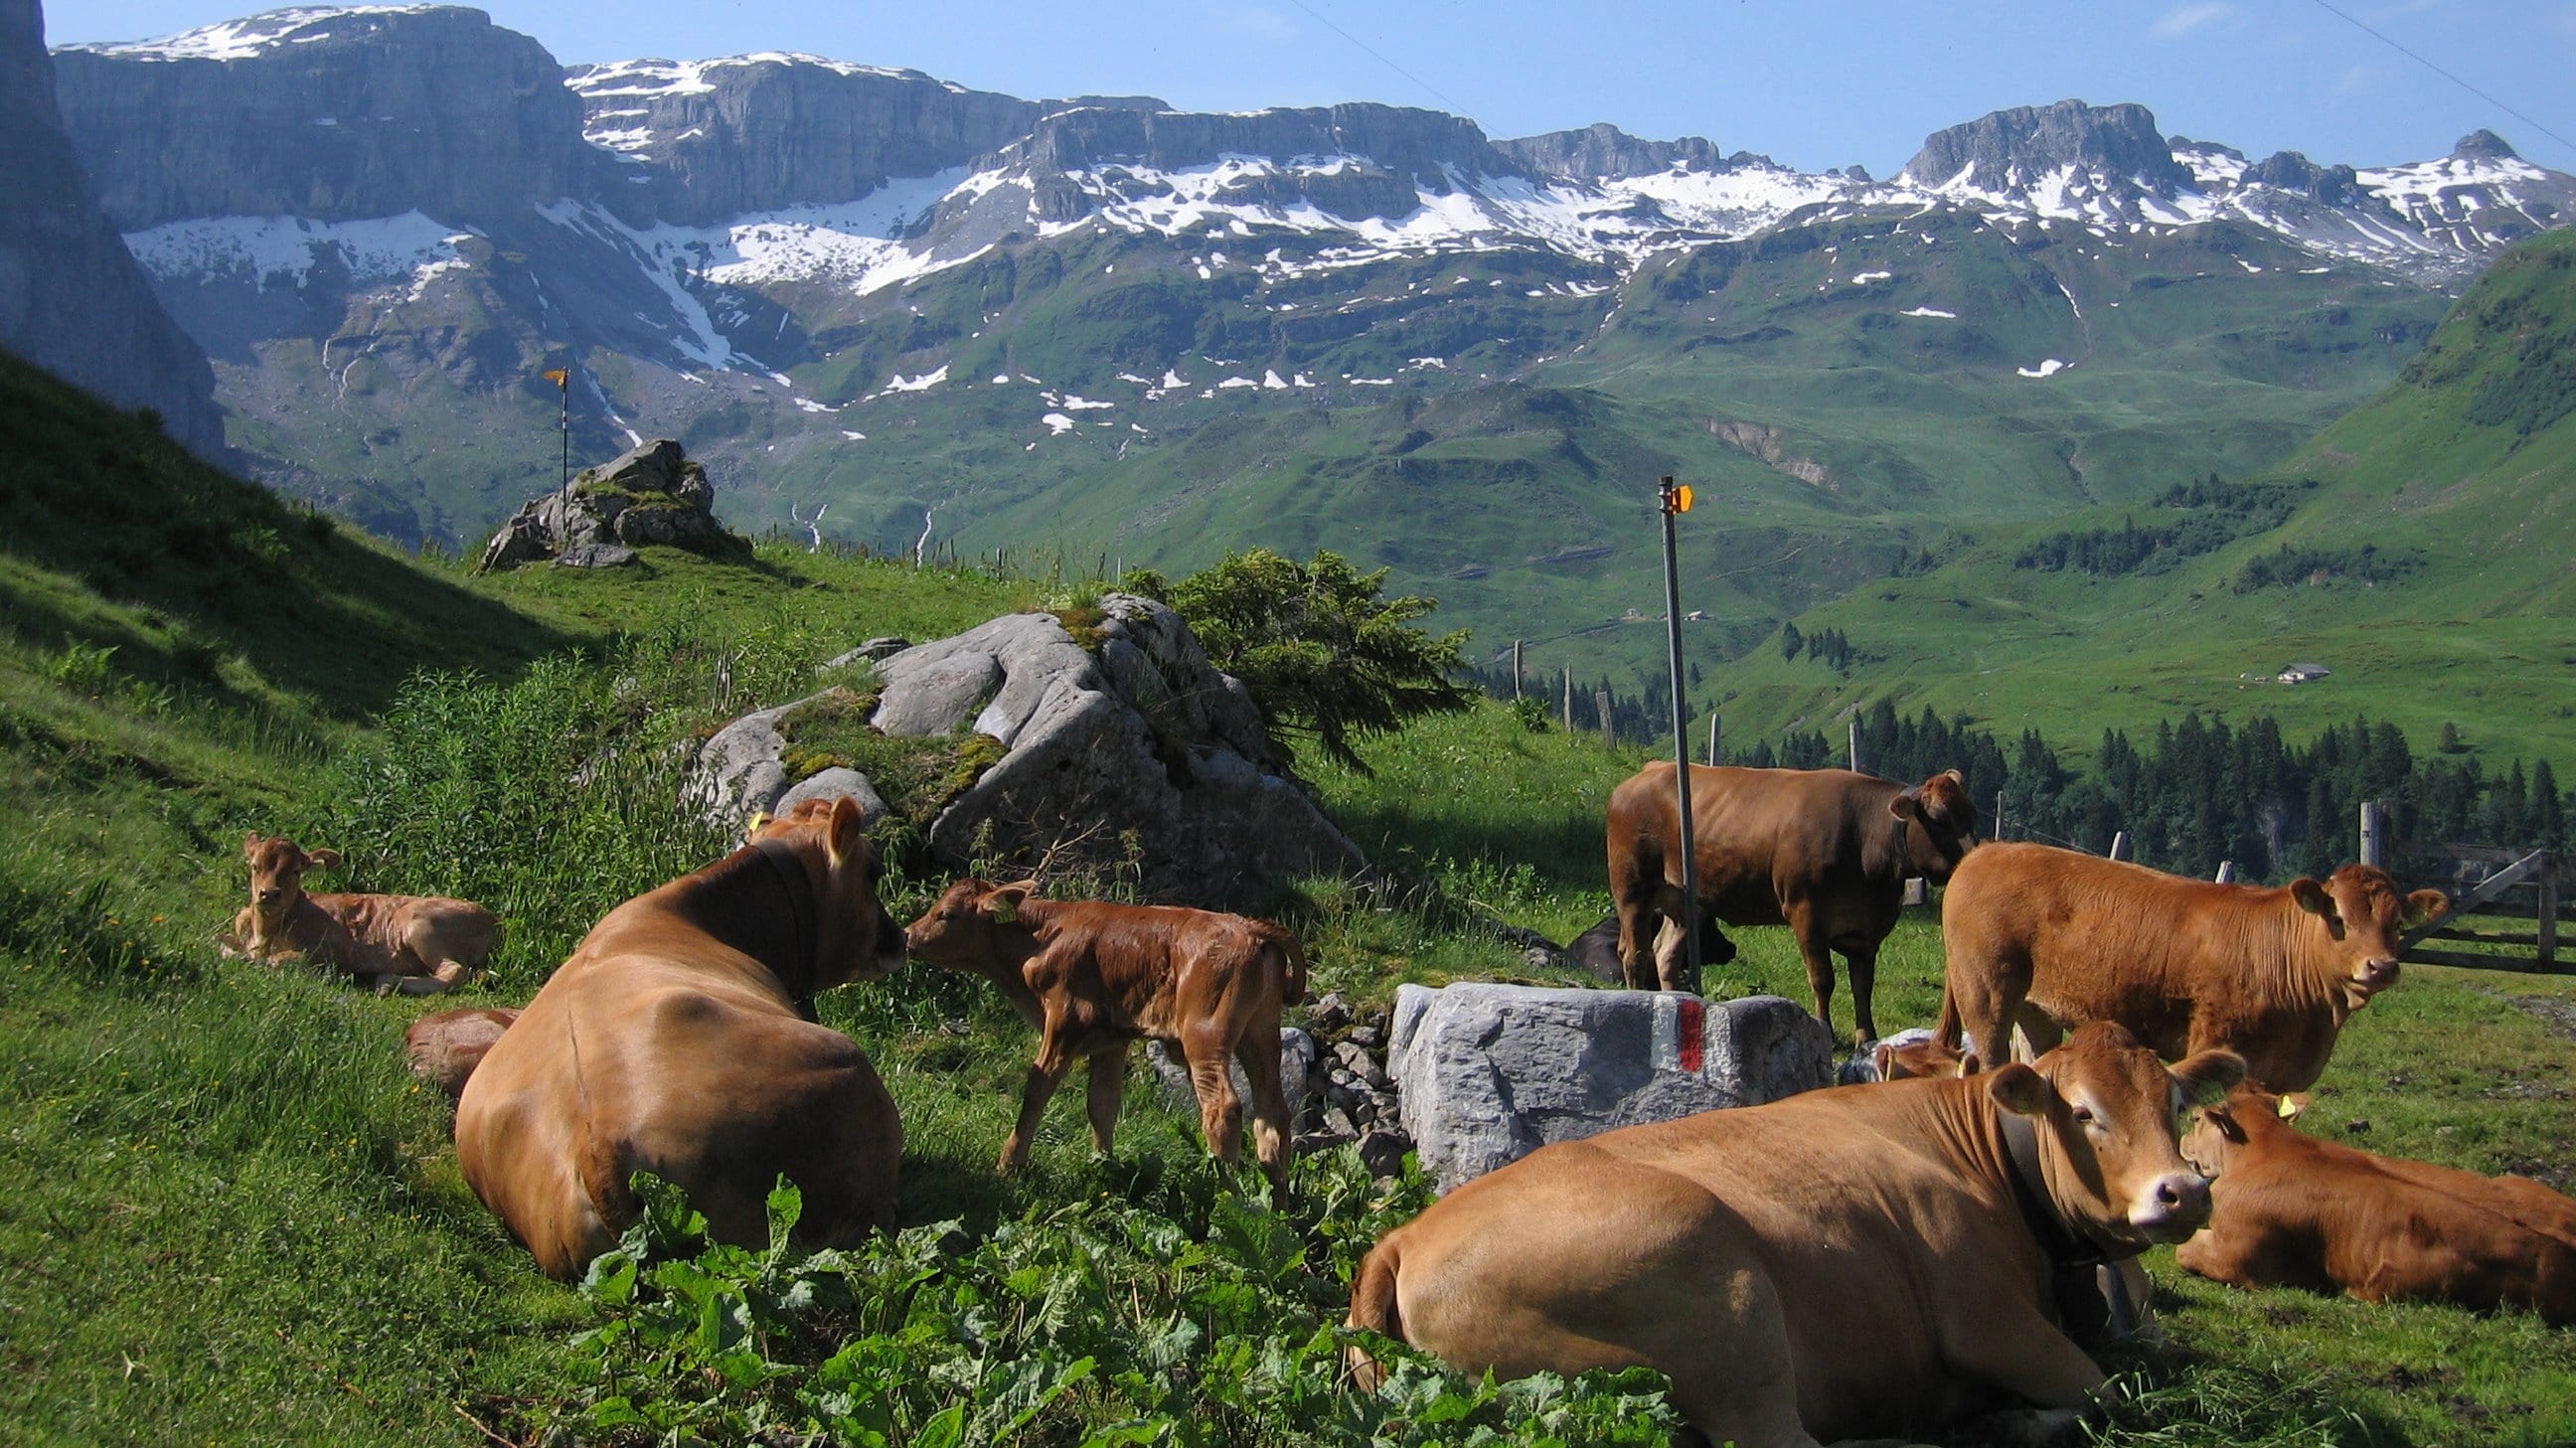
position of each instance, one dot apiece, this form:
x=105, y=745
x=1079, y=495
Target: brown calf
x=678, y=1039
x=1093, y=977
x=2290, y=1210
x=2047, y=939
x=1746, y=1252
x=419, y=944
x=1824, y=851
x=445, y=1047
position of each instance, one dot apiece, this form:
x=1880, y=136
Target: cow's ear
x=1905, y=803
x=321, y=859
x=1969, y=1065
x=250, y=845
x=2293, y=1104
x=1003, y=902
x=845, y=834
x=2020, y=1090
x=2312, y=897
x=1955, y=777
x=2426, y=905
x=2207, y=1076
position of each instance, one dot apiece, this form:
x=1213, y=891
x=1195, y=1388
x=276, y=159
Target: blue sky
x=1813, y=83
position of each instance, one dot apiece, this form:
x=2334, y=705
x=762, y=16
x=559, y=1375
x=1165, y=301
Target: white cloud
x=2182, y=20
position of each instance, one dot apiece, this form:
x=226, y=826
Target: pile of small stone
x=1350, y=1099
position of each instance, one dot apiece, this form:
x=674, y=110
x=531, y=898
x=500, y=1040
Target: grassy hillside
x=2452, y=485
x=232, y=1216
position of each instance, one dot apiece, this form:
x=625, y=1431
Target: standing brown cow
x=2047, y=939
x=678, y=1040
x=1824, y=851
x=1845, y=1263
x=2288, y=1209
x=419, y=944
x=1094, y=976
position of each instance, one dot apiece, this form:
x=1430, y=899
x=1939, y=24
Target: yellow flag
x=560, y=379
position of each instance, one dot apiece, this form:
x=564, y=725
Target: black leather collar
x=790, y=869
x=2076, y=1294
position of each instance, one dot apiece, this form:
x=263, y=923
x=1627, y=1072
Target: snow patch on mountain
x=248, y=38
x=283, y=250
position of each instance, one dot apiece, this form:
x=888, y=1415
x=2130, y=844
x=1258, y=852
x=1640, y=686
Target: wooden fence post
x=2119, y=844
x=2374, y=833
x=1854, y=753
x=1712, y=737
x=1609, y=726
x=1516, y=670
x=2227, y=872
x=1999, y=814
x=1569, y=699
x=2549, y=913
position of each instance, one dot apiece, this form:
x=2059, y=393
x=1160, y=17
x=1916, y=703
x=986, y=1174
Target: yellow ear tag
x=759, y=822
x=2289, y=1108
x=1006, y=911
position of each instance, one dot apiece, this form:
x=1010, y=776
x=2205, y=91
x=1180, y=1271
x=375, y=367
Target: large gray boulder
x=653, y=493
x=1124, y=750
x=1490, y=1073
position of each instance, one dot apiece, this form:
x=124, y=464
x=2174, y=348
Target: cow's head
x=277, y=869
x=1924, y=1056
x=854, y=938
x=974, y=923
x=2249, y=1113
x=2104, y=1110
x=2365, y=920
x=1940, y=824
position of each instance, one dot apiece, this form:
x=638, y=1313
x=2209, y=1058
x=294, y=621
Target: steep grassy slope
x=2455, y=479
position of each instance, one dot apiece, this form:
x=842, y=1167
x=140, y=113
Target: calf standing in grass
x=1093, y=977
x=419, y=944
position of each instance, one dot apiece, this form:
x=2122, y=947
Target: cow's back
x=1758, y=835
x=1773, y=1211
x=2099, y=939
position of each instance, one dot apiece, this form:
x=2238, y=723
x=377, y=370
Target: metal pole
x=1675, y=500
x=1712, y=737
x=1855, y=745
x=2119, y=844
x=566, y=390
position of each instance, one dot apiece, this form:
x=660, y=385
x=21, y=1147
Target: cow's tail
x=1373, y=1307
x=1948, y=1031
x=1292, y=963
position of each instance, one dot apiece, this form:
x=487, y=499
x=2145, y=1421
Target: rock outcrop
x=1490, y=1073
x=1603, y=151
x=72, y=299
x=652, y=494
x=2013, y=148
x=330, y=115
x=1124, y=749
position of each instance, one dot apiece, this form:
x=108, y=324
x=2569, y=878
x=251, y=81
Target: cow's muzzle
x=2376, y=974
x=2176, y=1206
x=271, y=897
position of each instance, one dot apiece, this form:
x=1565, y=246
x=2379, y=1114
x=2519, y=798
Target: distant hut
x=2302, y=673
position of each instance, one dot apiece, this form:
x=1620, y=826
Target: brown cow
x=419, y=944
x=2290, y=1210
x=2044, y=939
x=1824, y=851
x=1747, y=1253
x=1905, y=1056
x=445, y=1046
x=1093, y=977
x=679, y=1039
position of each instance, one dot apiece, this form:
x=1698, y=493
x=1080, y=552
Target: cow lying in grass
x=1095, y=977
x=2290, y=1210
x=2045, y=939
x=1750, y=1254
x=678, y=1040
x=418, y=944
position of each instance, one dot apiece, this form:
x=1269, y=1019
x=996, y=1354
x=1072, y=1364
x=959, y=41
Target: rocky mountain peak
x=1603, y=151
x=2009, y=149
x=2291, y=171
x=2483, y=145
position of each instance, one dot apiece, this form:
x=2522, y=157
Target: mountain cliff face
x=72, y=299
x=329, y=115
x=1605, y=151
x=704, y=140
x=2010, y=150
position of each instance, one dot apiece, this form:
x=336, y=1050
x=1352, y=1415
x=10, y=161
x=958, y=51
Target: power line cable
x=2392, y=44
x=1454, y=108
